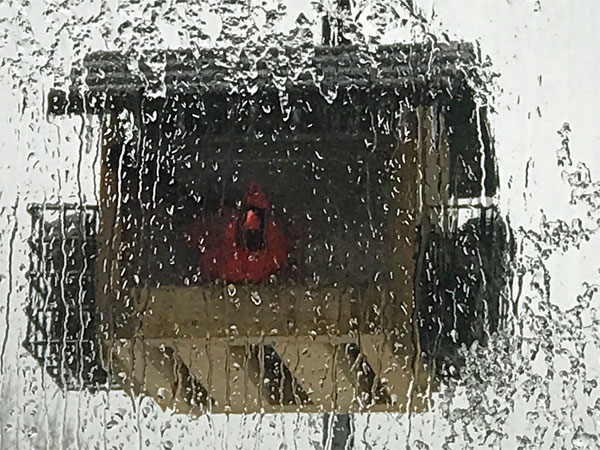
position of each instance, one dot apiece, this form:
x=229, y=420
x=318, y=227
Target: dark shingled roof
x=422, y=73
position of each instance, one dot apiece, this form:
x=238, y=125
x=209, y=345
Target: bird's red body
x=234, y=263
x=224, y=250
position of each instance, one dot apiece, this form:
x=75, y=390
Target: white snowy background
x=547, y=55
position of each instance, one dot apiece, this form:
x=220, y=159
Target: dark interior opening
x=327, y=192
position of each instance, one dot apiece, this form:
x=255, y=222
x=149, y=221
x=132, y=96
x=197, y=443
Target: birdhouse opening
x=292, y=197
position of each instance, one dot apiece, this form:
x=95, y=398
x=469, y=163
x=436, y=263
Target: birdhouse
x=311, y=229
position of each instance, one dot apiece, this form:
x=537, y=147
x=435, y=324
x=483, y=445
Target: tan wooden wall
x=277, y=348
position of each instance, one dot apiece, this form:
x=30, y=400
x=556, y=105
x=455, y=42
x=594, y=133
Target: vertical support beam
x=405, y=213
x=332, y=28
x=436, y=167
x=398, y=357
x=107, y=275
x=338, y=432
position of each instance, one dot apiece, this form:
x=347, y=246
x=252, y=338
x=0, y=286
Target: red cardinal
x=249, y=248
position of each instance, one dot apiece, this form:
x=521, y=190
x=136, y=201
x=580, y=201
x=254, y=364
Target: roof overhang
x=418, y=73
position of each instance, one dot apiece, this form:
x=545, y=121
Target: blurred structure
x=379, y=168
x=62, y=327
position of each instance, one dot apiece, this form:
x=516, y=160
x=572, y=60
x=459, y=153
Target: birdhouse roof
x=420, y=73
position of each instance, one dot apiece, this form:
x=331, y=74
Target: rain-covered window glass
x=363, y=224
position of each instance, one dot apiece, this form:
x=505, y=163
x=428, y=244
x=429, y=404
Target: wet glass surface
x=355, y=224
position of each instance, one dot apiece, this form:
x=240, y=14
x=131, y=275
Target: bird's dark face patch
x=252, y=229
